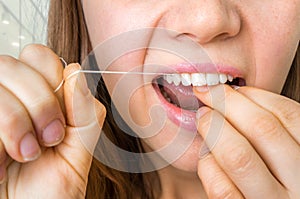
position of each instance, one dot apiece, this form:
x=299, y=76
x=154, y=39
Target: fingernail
x=204, y=151
x=201, y=111
x=54, y=133
x=202, y=89
x=82, y=84
x=235, y=87
x=29, y=148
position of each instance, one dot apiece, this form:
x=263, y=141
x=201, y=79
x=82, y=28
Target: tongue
x=182, y=96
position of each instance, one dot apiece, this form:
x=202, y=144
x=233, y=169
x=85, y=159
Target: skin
x=238, y=34
x=64, y=157
x=260, y=127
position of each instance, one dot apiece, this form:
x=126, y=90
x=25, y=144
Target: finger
x=5, y=170
x=216, y=183
x=85, y=117
x=3, y=157
x=16, y=130
x=285, y=109
x=264, y=131
x=237, y=158
x=2, y=153
x=2, y=173
x=47, y=63
x=79, y=93
x=37, y=97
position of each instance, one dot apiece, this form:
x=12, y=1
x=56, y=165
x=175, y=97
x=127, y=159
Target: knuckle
x=292, y=114
x=31, y=50
x=43, y=109
x=265, y=125
x=6, y=60
x=9, y=120
x=45, y=101
x=239, y=160
x=289, y=110
x=220, y=190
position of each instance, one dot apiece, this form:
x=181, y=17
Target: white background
x=22, y=22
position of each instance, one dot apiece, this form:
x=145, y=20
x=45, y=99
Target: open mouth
x=177, y=89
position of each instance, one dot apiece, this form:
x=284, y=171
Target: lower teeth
x=167, y=97
x=170, y=101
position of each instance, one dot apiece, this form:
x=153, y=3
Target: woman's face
x=253, y=40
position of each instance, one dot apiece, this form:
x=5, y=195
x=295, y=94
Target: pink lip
x=178, y=116
x=181, y=117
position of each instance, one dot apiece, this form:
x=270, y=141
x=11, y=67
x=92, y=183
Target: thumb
x=85, y=117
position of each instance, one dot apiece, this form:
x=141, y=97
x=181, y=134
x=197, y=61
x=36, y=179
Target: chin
x=188, y=162
x=177, y=147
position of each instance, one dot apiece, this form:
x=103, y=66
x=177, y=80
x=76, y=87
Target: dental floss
x=64, y=62
x=106, y=72
x=101, y=72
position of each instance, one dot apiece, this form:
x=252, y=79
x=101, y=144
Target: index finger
x=47, y=63
x=285, y=109
x=261, y=127
x=249, y=102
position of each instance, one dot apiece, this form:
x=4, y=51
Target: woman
x=254, y=153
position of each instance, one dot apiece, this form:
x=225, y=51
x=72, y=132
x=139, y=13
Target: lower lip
x=178, y=116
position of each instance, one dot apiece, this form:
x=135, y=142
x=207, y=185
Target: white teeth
x=197, y=79
x=230, y=78
x=176, y=79
x=186, y=79
x=168, y=78
x=223, y=78
x=212, y=79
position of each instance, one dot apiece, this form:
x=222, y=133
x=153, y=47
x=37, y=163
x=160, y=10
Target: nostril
x=223, y=37
x=187, y=37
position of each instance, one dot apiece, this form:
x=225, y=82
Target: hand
x=253, y=137
x=41, y=153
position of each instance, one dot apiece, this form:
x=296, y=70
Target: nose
x=203, y=20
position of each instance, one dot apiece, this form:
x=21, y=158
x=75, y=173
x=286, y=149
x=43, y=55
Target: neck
x=177, y=184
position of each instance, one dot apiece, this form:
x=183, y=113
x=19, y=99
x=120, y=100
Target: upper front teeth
x=197, y=79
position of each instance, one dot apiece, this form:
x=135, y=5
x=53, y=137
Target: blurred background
x=22, y=22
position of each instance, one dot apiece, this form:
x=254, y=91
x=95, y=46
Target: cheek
x=275, y=40
x=272, y=67
x=107, y=18
x=128, y=95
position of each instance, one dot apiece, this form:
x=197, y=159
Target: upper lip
x=200, y=68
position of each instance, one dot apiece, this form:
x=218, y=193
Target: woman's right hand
x=43, y=135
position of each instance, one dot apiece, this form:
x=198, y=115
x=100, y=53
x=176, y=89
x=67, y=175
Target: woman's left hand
x=253, y=138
